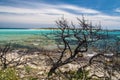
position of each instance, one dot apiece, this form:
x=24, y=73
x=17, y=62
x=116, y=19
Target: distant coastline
x=33, y=28
x=52, y=29
x=13, y=28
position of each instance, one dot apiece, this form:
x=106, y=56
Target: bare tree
x=5, y=62
x=82, y=35
x=106, y=59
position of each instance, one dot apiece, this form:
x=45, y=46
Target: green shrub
x=73, y=75
x=9, y=74
x=82, y=74
x=28, y=69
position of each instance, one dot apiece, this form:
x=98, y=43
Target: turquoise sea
x=27, y=37
x=35, y=37
x=21, y=34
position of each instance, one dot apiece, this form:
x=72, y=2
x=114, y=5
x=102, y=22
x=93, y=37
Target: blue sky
x=44, y=13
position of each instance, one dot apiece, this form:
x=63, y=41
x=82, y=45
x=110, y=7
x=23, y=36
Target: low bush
x=9, y=74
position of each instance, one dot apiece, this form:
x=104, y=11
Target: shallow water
x=17, y=34
x=36, y=37
x=26, y=37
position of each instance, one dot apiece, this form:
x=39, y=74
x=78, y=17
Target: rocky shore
x=38, y=64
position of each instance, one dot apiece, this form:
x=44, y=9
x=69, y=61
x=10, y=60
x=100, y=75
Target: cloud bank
x=44, y=13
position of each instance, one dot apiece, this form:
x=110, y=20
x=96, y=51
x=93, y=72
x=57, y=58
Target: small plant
x=9, y=74
x=27, y=69
x=81, y=75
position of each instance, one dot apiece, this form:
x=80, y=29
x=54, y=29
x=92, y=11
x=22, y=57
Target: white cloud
x=47, y=14
x=80, y=9
x=41, y=15
x=45, y=8
x=117, y=10
x=58, y=6
x=106, y=20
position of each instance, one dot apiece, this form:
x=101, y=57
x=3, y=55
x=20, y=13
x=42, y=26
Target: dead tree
x=82, y=35
x=5, y=62
x=3, y=53
x=107, y=58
